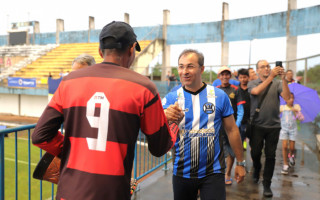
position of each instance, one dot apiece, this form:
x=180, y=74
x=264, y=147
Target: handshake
x=174, y=114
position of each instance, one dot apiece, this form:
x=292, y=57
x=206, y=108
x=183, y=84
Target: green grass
x=145, y=162
x=23, y=185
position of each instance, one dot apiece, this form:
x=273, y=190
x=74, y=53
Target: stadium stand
x=59, y=60
x=23, y=54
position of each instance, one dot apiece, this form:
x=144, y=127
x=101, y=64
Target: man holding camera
x=267, y=125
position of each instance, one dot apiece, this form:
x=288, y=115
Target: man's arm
x=235, y=141
x=258, y=89
x=46, y=135
x=161, y=135
x=285, y=88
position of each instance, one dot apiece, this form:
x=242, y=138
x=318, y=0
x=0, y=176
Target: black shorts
x=211, y=187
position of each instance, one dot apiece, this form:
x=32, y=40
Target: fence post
x=305, y=71
x=1, y=166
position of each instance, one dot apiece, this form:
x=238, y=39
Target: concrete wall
x=24, y=105
x=302, y=21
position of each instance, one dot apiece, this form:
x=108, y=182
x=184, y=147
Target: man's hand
x=278, y=71
x=239, y=173
x=174, y=113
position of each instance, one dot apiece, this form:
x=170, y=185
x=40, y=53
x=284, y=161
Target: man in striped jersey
x=103, y=107
x=198, y=162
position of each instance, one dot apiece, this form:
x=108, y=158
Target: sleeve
x=279, y=87
x=240, y=113
x=297, y=107
x=281, y=108
x=161, y=137
x=216, y=82
x=168, y=100
x=46, y=135
x=240, y=107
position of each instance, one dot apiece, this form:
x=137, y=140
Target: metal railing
x=144, y=164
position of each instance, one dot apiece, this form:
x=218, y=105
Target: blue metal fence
x=144, y=162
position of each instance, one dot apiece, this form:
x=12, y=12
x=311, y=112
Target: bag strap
x=256, y=113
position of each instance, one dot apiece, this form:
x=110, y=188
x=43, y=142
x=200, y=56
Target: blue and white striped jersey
x=198, y=151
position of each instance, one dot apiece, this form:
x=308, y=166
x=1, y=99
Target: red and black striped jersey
x=102, y=107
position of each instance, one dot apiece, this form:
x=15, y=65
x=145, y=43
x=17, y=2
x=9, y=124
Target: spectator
x=198, y=159
x=267, y=125
x=289, y=132
x=84, y=60
x=232, y=91
x=231, y=81
x=102, y=108
x=289, y=77
x=252, y=74
x=243, y=76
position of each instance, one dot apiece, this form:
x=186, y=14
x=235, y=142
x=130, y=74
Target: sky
x=150, y=13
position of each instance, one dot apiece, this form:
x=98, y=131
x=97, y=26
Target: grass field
x=145, y=162
x=23, y=185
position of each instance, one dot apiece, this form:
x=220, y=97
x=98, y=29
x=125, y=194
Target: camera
x=279, y=63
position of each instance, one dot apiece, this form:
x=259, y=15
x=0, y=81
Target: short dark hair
x=289, y=70
x=243, y=71
x=199, y=55
x=109, y=40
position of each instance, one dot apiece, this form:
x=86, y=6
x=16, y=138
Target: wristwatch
x=242, y=163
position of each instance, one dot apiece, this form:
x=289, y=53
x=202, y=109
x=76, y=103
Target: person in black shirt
x=243, y=76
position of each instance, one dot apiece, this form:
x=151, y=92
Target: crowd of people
x=206, y=126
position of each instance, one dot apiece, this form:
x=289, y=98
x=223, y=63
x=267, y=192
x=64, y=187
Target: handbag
x=250, y=125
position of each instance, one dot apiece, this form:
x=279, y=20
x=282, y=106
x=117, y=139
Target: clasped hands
x=174, y=113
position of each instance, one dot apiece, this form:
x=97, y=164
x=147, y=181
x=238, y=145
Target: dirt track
x=18, y=119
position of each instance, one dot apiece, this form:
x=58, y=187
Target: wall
x=30, y=105
x=302, y=21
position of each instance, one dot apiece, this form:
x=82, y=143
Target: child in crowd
x=289, y=130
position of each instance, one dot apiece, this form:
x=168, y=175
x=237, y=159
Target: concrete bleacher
x=59, y=60
x=25, y=54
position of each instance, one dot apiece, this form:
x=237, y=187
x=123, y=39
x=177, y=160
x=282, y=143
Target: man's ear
x=202, y=69
x=132, y=49
x=100, y=53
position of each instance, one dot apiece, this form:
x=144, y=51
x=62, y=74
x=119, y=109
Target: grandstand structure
x=58, y=60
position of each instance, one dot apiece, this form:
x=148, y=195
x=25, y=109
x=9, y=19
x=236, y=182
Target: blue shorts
x=288, y=134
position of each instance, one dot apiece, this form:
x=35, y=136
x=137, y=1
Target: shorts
x=288, y=134
x=226, y=147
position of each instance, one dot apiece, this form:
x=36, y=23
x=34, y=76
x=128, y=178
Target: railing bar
x=29, y=166
x=40, y=180
x=52, y=191
x=2, y=166
x=140, y=153
x=16, y=163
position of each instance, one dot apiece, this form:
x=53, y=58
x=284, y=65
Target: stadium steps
x=59, y=60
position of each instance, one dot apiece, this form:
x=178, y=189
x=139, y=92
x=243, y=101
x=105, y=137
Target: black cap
x=121, y=32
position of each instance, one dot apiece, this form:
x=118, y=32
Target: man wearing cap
x=231, y=81
x=102, y=108
x=232, y=91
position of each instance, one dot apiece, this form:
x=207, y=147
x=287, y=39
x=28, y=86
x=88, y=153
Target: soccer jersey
x=236, y=101
x=198, y=150
x=103, y=107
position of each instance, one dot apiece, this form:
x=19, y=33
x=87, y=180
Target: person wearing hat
x=231, y=81
x=232, y=91
x=103, y=107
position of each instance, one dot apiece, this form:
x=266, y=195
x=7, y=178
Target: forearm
x=257, y=90
x=285, y=90
x=235, y=143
